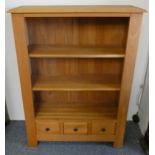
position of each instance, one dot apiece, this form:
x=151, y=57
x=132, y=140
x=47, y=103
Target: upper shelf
x=47, y=51
x=76, y=83
x=77, y=9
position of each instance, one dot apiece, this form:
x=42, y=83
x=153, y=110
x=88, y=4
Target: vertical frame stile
x=130, y=57
x=21, y=41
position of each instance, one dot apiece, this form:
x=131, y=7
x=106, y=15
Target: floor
x=16, y=144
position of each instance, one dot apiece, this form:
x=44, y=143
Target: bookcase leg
x=32, y=143
x=118, y=143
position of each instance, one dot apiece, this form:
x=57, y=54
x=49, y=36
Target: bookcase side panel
x=21, y=42
x=131, y=51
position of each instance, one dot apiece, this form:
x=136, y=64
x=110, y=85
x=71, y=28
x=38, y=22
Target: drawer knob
x=75, y=129
x=103, y=129
x=47, y=129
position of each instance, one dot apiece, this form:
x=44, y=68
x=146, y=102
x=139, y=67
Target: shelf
x=76, y=83
x=74, y=111
x=47, y=51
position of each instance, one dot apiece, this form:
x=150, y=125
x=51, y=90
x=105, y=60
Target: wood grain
x=76, y=111
x=78, y=9
x=86, y=31
x=103, y=127
x=75, y=127
x=24, y=73
x=75, y=83
x=77, y=15
x=82, y=134
x=89, y=98
x=48, y=51
x=76, y=138
x=107, y=68
x=49, y=127
x=131, y=51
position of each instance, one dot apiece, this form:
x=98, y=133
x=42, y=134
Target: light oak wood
x=50, y=127
x=75, y=83
x=76, y=138
x=91, y=14
x=86, y=31
x=76, y=111
x=78, y=9
x=23, y=66
x=75, y=127
x=76, y=65
x=48, y=51
x=45, y=67
x=132, y=44
x=103, y=127
x=79, y=98
x=70, y=130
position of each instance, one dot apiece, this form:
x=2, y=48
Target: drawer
x=51, y=127
x=75, y=128
x=101, y=127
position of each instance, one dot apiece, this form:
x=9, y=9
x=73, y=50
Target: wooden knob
x=103, y=129
x=47, y=129
x=75, y=129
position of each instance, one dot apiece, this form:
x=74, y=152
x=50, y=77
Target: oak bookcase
x=76, y=66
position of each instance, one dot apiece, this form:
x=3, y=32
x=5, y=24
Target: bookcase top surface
x=77, y=9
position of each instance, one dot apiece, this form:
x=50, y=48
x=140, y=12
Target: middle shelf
x=76, y=83
x=49, y=51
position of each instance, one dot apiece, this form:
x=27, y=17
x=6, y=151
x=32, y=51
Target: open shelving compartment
x=73, y=81
x=77, y=65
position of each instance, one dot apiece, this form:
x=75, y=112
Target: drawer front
x=50, y=127
x=101, y=127
x=75, y=128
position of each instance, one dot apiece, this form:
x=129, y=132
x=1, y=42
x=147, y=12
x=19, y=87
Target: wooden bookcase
x=76, y=66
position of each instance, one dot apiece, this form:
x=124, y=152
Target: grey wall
x=144, y=105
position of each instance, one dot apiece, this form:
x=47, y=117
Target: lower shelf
x=76, y=122
x=76, y=111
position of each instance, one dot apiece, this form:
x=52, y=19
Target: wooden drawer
x=50, y=127
x=101, y=127
x=75, y=128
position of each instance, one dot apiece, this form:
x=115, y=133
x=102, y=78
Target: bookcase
x=76, y=66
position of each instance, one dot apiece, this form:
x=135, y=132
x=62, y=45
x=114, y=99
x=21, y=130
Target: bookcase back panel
x=77, y=98
x=85, y=31
x=66, y=67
